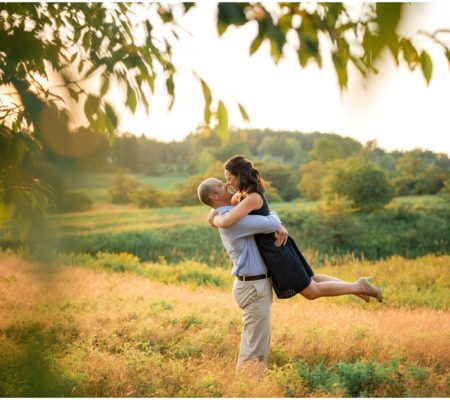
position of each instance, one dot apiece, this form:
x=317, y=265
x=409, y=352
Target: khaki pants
x=255, y=299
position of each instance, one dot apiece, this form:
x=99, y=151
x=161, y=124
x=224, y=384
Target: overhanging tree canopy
x=80, y=40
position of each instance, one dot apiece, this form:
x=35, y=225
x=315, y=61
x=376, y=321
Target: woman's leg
x=325, y=278
x=336, y=288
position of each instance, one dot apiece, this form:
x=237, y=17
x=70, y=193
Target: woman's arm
x=235, y=199
x=252, y=202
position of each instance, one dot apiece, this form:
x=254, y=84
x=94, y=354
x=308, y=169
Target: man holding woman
x=260, y=248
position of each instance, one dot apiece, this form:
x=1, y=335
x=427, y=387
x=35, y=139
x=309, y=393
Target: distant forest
x=314, y=166
x=412, y=172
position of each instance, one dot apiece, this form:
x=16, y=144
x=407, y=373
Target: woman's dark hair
x=250, y=180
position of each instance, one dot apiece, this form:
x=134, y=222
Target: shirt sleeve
x=253, y=224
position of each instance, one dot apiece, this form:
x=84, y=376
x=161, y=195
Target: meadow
x=177, y=234
x=109, y=325
x=136, y=303
x=96, y=184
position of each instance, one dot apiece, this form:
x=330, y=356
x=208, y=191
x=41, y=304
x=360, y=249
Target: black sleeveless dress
x=290, y=271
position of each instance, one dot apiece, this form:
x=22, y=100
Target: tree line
x=314, y=166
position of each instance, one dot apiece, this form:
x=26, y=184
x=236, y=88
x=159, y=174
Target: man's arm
x=253, y=224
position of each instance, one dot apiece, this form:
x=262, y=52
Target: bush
x=360, y=181
x=122, y=188
x=360, y=380
x=272, y=193
x=445, y=191
x=290, y=192
x=319, y=377
x=146, y=197
x=117, y=262
x=76, y=201
x=311, y=176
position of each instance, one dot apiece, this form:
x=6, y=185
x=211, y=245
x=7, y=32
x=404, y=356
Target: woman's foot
x=370, y=290
x=364, y=297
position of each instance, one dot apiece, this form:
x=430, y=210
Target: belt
x=254, y=277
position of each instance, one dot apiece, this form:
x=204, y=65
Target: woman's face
x=232, y=180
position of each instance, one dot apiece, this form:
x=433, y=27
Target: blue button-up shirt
x=240, y=244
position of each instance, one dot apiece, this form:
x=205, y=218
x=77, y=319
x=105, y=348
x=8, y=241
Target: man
x=252, y=290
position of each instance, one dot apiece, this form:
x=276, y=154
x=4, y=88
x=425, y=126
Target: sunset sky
x=396, y=107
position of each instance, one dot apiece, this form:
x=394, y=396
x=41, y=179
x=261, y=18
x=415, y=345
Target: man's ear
x=214, y=197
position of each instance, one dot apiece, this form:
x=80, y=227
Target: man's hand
x=281, y=236
x=211, y=216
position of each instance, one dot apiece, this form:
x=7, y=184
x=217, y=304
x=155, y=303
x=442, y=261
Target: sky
x=395, y=107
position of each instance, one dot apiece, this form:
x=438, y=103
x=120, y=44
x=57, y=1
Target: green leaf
x=427, y=66
x=244, y=114
x=277, y=40
x=86, y=41
x=131, y=99
x=230, y=14
x=341, y=69
x=388, y=17
x=222, y=127
x=91, y=106
x=256, y=43
x=394, y=47
x=409, y=53
x=187, y=6
x=171, y=90
x=101, y=122
x=208, y=98
x=105, y=85
x=111, y=114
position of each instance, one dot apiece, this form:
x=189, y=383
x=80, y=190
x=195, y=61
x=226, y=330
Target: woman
x=291, y=273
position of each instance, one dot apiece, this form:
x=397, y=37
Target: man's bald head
x=206, y=189
x=214, y=193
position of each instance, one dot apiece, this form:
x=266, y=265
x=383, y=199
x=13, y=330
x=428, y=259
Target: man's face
x=221, y=190
x=232, y=180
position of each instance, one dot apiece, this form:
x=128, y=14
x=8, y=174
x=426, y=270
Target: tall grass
x=89, y=332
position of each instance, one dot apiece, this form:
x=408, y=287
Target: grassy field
x=137, y=303
x=158, y=330
x=423, y=201
x=96, y=184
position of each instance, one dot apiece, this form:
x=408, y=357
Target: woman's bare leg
x=336, y=288
x=325, y=278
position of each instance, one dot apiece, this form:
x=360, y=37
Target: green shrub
x=201, y=279
x=362, y=182
x=76, y=201
x=122, y=188
x=359, y=379
x=445, y=191
x=318, y=377
x=118, y=262
x=146, y=197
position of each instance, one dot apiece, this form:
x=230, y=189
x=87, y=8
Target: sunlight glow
x=395, y=107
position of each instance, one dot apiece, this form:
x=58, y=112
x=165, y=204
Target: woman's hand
x=281, y=236
x=211, y=216
x=235, y=199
